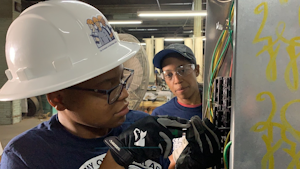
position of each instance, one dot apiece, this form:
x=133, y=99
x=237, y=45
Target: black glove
x=204, y=149
x=148, y=138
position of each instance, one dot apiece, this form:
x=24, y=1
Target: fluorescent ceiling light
x=171, y=13
x=173, y=39
x=167, y=4
x=142, y=29
x=142, y=44
x=191, y=31
x=124, y=22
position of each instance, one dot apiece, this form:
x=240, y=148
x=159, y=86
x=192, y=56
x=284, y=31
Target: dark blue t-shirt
x=173, y=108
x=50, y=146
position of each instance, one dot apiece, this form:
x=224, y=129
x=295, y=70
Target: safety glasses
x=114, y=93
x=183, y=70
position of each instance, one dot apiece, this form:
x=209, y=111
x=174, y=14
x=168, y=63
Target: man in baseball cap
x=179, y=69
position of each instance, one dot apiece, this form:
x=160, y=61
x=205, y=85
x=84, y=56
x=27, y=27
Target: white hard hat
x=53, y=45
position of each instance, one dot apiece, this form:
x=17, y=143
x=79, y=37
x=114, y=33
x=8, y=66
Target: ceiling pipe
x=158, y=5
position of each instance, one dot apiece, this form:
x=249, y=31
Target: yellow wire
x=217, y=54
x=227, y=139
x=211, y=118
x=228, y=135
x=222, y=42
x=219, y=49
x=226, y=142
x=232, y=12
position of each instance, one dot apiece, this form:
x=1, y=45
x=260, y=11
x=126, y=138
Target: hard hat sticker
x=102, y=33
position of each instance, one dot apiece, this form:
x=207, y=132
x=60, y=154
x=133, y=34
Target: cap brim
x=85, y=70
x=160, y=56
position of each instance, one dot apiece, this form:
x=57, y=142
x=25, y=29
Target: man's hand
x=204, y=149
x=147, y=138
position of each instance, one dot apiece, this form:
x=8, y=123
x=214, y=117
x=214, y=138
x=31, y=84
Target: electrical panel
x=218, y=71
x=251, y=81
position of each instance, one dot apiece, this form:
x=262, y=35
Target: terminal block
x=222, y=107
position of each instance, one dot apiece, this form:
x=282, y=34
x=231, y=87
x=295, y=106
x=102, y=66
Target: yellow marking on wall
x=291, y=50
x=295, y=133
x=271, y=70
x=268, y=159
x=283, y=1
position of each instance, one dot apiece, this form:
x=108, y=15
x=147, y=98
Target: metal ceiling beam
x=127, y=9
x=155, y=24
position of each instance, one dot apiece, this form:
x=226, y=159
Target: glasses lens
x=128, y=83
x=184, y=70
x=114, y=95
x=168, y=75
x=162, y=75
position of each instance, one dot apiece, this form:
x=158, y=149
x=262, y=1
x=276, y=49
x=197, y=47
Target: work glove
x=204, y=149
x=148, y=138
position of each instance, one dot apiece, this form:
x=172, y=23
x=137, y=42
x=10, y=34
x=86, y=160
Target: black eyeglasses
x=183, y=70
x=114, y=93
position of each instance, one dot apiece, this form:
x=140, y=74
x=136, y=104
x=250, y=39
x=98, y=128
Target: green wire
x=230, y=32
x=213, y=58
x=229, y=15
x=211, y=78
x=231, y=41
x=229, y=24
x=224, y=49
x=230, y=37
x=214, y=53
x=225, y=154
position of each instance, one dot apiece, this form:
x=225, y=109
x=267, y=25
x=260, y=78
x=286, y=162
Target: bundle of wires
x=218, y=57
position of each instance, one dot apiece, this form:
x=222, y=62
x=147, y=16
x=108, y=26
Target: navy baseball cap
x=185, y=51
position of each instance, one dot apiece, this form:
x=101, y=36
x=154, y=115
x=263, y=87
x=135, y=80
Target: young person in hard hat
x=51, y=49
x=179, y=69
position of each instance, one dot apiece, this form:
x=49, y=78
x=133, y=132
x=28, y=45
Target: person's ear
x=55, y=99
x=197, y=70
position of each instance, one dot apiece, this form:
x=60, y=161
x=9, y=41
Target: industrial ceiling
x=157, y=27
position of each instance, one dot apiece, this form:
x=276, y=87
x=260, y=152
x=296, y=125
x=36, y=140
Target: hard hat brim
x=118, y=54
